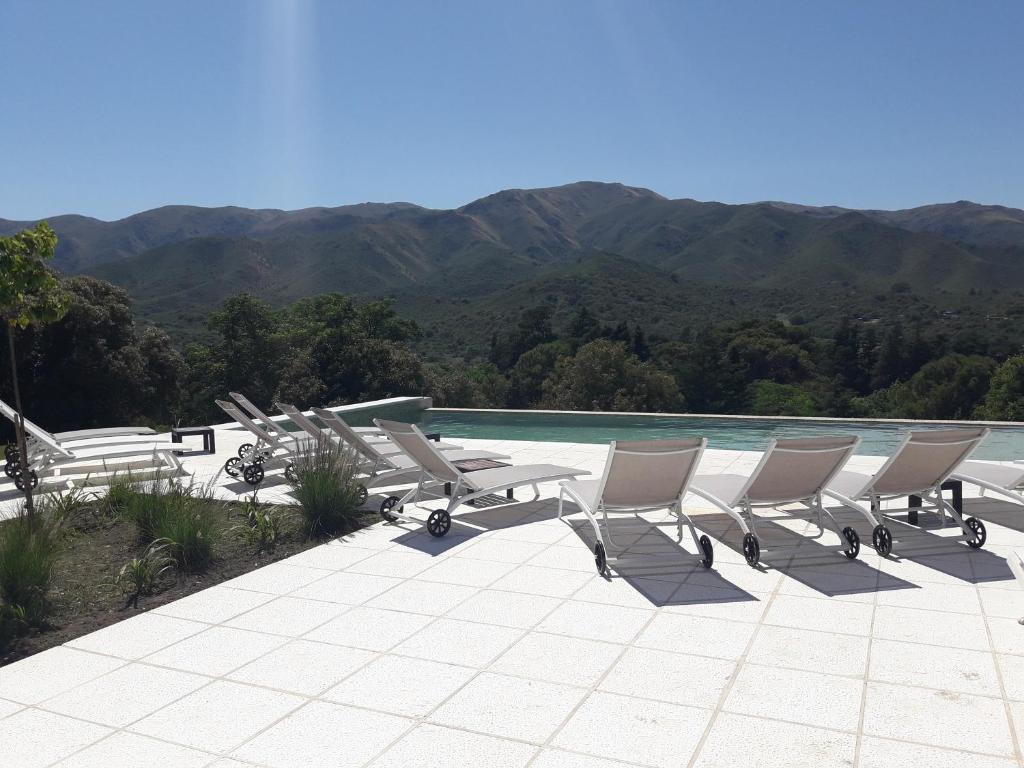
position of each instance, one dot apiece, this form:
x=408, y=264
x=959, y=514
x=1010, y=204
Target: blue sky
x=108, y=108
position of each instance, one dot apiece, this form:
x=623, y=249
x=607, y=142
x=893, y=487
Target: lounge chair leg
x=607, y=530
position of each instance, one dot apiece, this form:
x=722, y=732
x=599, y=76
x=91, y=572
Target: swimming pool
x=745, y=434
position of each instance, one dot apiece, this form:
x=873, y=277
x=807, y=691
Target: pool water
x=877, y=438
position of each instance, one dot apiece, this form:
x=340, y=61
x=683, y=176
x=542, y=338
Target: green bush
x=327, y=489
x=29, y=550
x=184, y=516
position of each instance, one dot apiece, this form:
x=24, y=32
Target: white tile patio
x=499, y=646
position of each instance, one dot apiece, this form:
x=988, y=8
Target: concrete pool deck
x=499, y=645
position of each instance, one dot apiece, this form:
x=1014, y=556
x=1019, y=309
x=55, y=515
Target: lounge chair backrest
x=256, y=414
x=235, y=413
x=648, y=473
x=34, y=430
x=300, y=419
x=346, y=433
x=925, y=459
x=798, y=469
x=409, y=438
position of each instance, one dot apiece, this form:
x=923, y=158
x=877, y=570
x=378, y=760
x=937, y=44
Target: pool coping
x=751, y=417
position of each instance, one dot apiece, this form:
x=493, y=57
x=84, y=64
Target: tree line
x=99, y=366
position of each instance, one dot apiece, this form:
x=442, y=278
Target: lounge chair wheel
x=253, y=474
x=233, y=466
x=881, y=540
x=362, y=494
x=853, y=540
x=11, y=453
x=290, y=474
x=386, y=506
x=11, y=469
x=751, y=550
x=33, y=481
x=245, y=450
x=600, y=559
x=978, y=529
x=438, y=523
x=709, y=554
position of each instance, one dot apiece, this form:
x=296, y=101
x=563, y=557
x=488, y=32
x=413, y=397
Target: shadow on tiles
x=925, y=545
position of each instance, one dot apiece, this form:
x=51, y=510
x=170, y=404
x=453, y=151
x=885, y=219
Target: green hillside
x=626, y=253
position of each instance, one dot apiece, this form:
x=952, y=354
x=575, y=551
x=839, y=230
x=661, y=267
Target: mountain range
x=625, y=252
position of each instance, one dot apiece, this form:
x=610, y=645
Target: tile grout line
x=594, y=687
x=1007, y=706
x=727, y=689
x=858, y=743
x=478, y=672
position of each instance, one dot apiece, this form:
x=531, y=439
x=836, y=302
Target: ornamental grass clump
x=185, y=516
x=326, y=486
x=29, y=549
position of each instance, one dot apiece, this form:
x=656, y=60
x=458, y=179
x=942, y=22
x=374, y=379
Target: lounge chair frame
x=436, y=471
x=689, y=453
x=393, y=468
x=54, y=456
x=741, y=507
x=269, y=451
x=973, y=531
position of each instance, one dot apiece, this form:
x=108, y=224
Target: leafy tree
x=29, y=294
x=492, y=387
x=122, y=374
x=526, y=379
x=1005, y=398
x=248, y=347
x=534, y=328
x=771, y=351
x=891, y=365
x=584, y=327
x=769, y=398
x=709, y=383
x=948, y=388
x=847, y=357
x=451, y=387
x=640, y=346
x=604, y=376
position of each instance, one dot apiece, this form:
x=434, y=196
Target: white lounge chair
x=94, y=454
x=1007, y=480
x=247, y=451
x=369, y=441
x=919, y=467
x=270, y=450
x=437, y=470
x=639, y=476
x=384, y=463
x=793, y=471
x=67, y=439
